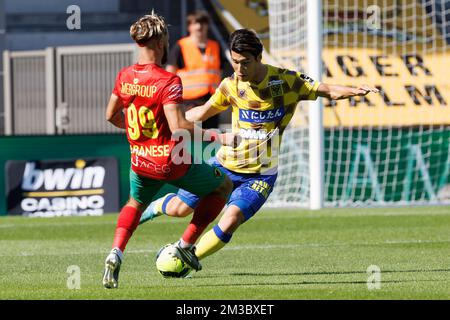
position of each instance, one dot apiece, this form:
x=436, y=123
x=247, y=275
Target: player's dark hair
x=246, y=40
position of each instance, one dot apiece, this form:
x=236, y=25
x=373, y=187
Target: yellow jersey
x=260, y=114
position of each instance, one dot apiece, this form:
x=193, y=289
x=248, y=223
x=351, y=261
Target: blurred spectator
x=198, y=61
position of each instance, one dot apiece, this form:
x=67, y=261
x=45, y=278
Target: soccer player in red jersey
x=146, y=102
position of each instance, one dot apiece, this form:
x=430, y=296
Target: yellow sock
x=208, y=244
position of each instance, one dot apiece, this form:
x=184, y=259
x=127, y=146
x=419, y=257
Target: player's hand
x=364, y=90
x=230, y=139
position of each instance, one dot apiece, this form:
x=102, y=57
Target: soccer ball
x=169, y=265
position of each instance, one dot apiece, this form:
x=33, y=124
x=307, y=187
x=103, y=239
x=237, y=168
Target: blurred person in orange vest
x=198, y=61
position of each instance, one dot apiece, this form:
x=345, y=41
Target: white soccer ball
x=169, y=265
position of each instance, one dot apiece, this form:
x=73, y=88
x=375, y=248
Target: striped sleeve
x=219, y=99
x=307, y=88
x=173, y=92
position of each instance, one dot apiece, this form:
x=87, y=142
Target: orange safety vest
x=201, y=73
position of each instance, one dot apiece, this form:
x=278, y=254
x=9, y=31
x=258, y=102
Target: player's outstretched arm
x=114, y=112
x=177, y=121
x=337, y=92
x=202, y=113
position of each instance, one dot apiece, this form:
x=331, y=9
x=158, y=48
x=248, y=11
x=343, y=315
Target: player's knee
x=135, y=204
x=180, y=209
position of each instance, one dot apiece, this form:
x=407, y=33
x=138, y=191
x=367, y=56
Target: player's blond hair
x=149, y=27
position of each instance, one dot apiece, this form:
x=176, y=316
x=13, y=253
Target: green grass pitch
x=279, y=254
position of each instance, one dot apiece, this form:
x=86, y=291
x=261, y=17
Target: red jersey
x=144, y=90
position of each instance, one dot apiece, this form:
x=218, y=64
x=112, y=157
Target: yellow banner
x=414, y=89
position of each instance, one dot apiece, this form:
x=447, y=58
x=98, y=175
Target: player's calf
x=231, y=219
x=207, y=210
x=221, y=234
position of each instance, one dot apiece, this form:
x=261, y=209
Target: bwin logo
x=62, y=179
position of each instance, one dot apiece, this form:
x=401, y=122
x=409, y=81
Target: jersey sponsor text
x=138, y=90
x=151, y=151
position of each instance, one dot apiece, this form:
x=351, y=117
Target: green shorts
x=200, y=179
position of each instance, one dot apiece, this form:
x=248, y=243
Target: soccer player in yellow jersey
x=263, y=99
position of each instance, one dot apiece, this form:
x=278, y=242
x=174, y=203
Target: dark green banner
x=396, y=165
x=29, y=148
x=387, y=165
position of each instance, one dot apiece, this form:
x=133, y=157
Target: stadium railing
x=61, y=90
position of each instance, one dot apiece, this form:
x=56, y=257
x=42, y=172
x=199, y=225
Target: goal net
x=389, y=148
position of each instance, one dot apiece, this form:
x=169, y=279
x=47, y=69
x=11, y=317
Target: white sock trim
x=119, y=253
x=163, y=198
x=184, y=244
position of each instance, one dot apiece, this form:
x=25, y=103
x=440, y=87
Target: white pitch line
x=260, y=216
x=7, y=225
x=251, y=247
